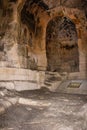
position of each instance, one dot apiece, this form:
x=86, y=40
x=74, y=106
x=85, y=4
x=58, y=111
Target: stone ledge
x=19, y=85
x=21, y=79
x=21, y=74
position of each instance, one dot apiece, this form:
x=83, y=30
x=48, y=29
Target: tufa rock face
x=35, y=34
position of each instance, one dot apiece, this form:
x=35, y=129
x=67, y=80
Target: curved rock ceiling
x=54, y=3
x=33, y=8
x=49, y=4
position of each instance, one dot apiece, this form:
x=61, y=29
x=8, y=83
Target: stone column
x=83, y=66
x=40, y=47
x=82, y=56
x=10, y=38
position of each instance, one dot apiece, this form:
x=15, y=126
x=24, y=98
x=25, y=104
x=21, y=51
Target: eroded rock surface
x=23, y=30
x=41, y=109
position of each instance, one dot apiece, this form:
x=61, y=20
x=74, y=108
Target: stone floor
x=42, y=110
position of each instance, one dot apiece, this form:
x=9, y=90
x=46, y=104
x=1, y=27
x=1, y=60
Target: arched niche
x=62, y=45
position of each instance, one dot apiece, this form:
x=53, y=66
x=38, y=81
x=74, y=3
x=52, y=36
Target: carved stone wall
x=31, y=38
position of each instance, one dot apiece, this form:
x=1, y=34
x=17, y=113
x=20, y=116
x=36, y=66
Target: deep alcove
x=62, y=45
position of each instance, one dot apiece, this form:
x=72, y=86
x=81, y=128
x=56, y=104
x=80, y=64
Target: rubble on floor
x=42, y=110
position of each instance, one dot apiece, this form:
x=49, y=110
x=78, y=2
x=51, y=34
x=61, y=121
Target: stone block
x=32, y=102
x=25, y=85
x=21, y=79
x=8, y=85
x=6, y=104
x=2, y=109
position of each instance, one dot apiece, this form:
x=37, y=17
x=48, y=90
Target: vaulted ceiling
x=33, y=8
x=49, y=4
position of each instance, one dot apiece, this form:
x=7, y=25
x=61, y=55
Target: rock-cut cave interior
x=43, y=51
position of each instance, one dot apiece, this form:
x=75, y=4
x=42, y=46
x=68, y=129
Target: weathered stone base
x=24, y=79
x=21, y=79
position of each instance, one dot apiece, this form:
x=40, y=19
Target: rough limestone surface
x=41, y=109
x=43, y=45
x=38, y=36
